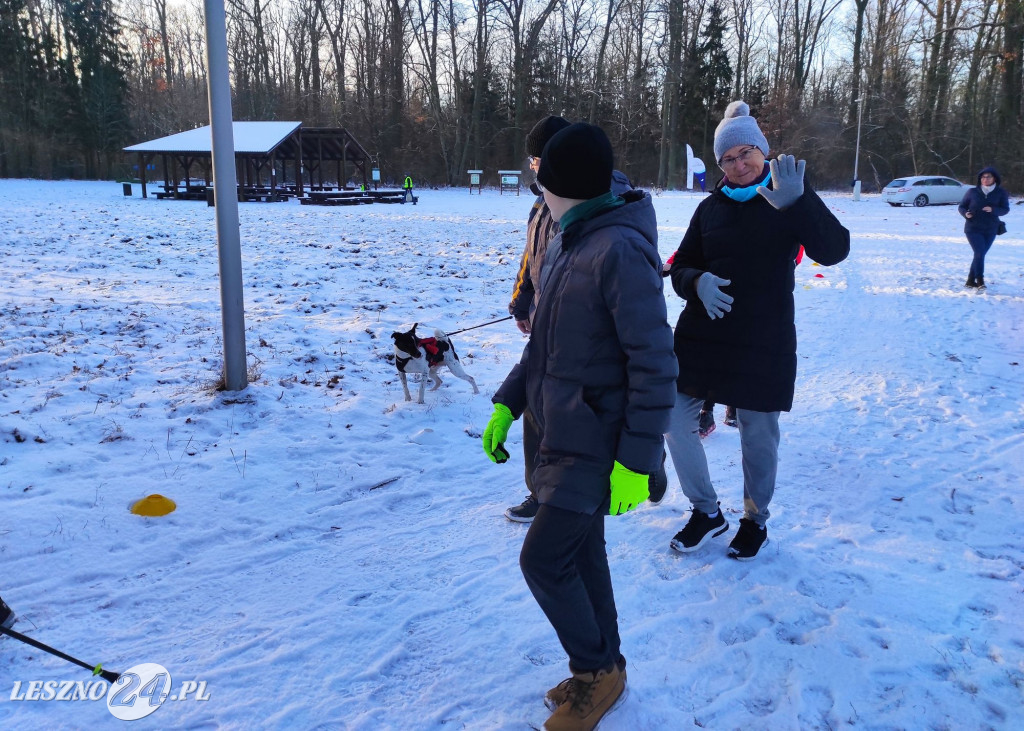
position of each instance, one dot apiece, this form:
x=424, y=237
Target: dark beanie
x=577, y=162
x=543, y=131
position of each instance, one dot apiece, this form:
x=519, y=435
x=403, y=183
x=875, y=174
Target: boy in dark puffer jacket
x=598, y=376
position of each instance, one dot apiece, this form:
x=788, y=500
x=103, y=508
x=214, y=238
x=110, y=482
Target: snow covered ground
x=339, y=557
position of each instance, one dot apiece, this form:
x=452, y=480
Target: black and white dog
x=426, y=356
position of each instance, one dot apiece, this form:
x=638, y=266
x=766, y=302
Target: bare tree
x=599, y=64
x=524, y=31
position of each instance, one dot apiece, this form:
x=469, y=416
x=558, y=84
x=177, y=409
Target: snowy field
x=339, y=558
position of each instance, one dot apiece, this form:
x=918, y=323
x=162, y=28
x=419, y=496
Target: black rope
x=467, y=329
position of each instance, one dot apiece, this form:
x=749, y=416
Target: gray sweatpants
x=759, y=442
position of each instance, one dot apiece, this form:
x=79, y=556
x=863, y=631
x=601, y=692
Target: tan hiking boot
x=589, y=696
x=558, y=695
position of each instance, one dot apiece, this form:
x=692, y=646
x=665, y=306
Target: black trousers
x=566, y=567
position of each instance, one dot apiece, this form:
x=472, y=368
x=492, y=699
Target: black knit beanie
x=577, y=162
x=543, y=131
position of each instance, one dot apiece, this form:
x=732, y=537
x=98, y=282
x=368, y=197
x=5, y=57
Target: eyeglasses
x=726, y=162
x=532, y=160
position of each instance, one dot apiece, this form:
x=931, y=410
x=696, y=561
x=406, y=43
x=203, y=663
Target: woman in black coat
x=982, y=206
x=736, y=339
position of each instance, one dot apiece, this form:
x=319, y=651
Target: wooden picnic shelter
x=327, y=150
x=271, y=160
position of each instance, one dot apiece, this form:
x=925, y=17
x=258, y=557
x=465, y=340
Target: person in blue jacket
x=982, y=206
x=598, y=375
x=736, y=337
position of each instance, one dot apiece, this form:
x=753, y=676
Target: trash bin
x=209, y=197
x=127, y=188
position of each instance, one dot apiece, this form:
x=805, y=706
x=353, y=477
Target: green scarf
x=590, y=209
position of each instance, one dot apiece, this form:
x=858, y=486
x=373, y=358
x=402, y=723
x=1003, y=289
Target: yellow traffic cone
x=153, y=506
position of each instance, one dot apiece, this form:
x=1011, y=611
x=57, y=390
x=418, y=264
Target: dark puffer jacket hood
x=995, y=174
x=638, y=214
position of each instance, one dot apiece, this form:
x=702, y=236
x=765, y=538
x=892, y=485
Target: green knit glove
x=629, y=489
x=496, y=433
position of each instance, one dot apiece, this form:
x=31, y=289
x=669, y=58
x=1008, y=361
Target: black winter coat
x=976, y=199
x=747, y=358
x=598, y=374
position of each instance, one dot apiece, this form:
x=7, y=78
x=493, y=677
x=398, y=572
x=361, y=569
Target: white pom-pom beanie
x=738, y=128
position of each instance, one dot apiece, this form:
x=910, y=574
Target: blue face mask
x=747, y=192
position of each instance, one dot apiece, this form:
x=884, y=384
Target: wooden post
x=298, y=168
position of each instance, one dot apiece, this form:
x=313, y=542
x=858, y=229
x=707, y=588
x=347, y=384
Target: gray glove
x=787, y=182
x=716, y=302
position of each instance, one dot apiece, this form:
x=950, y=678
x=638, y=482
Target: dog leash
x=467, y=329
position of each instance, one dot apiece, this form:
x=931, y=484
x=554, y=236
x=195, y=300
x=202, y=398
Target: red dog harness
x=435, y=352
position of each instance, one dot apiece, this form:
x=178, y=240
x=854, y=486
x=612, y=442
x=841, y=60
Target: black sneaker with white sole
x=748, y=541
x=699, y=530
x=525, y=512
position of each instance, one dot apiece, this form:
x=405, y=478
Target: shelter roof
x=250, y=138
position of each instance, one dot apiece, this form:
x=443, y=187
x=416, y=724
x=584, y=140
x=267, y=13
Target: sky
x=339, y=557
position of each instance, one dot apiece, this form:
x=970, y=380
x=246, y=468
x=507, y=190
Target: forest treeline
x=432, y=88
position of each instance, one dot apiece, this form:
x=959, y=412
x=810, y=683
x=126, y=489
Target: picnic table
x=246, y=193
x=357, y=197
x=182, y=192
x=263, y=193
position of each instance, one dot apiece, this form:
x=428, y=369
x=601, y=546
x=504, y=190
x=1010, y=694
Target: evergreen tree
x=714, y=74
x=100, y=70
x=34, y=97
x=19, y=78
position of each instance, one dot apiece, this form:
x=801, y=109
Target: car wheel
x=895, y=205
x=921, y=200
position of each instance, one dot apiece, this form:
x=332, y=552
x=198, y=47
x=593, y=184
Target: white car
x=924, y=190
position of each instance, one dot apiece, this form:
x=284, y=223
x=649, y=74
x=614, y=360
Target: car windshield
x=897, y=183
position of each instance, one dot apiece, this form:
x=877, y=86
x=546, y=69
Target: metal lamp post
x=856, y=154
x=225, y=191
